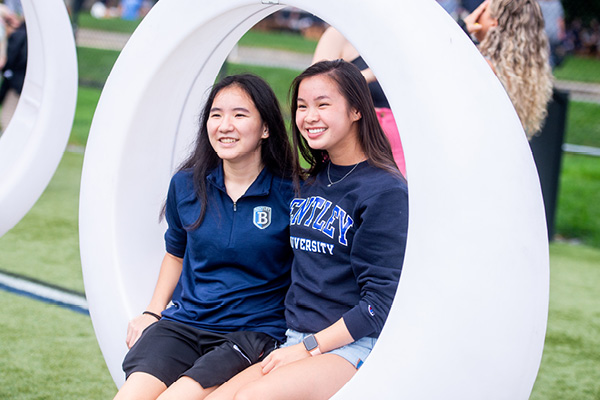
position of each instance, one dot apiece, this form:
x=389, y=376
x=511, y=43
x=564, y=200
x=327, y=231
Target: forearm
x=328, y=339
x=170, y=271
x=334, y=336
x=330, y=46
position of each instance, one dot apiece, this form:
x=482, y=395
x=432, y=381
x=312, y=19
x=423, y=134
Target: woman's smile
x=325, y=118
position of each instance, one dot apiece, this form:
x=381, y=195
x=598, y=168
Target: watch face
x=310, y=342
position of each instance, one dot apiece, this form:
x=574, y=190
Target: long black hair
x=276, y=152
x=353, y=86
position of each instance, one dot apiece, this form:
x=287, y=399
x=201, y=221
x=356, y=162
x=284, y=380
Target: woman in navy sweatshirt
x=227, y=264
x=348, y=232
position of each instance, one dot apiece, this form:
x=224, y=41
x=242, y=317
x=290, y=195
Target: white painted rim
x=469, y=318
x=35, y=140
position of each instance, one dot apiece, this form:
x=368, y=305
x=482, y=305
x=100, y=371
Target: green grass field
x=107, y=24
x=47, y=352
x=578, y=211
x=95, y=65
x=49, y=231
x=87, y=99
x=279, y=40
x=570, y=366
x=574, y=68
x=254, y=38
x=577, y=68
x=583, y=119
x=583, y=124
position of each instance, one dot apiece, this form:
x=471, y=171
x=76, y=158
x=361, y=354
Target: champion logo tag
x=371, y=310
x=262, y=217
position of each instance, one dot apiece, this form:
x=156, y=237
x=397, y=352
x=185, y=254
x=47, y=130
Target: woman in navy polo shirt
x=227, y=264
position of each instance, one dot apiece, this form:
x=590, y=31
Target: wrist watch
x=311, y=345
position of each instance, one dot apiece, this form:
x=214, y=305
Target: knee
x=252, y=391
x=243, y=394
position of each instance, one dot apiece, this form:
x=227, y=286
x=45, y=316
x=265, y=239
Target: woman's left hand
x=280, y=357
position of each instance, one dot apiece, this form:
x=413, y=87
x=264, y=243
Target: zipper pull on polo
x=235, y=206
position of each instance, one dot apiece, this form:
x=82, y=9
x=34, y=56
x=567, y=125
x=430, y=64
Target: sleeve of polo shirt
x=176, y=235
x=376, y=257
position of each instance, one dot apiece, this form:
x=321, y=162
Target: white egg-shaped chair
x=36, y=137
x=469, y=318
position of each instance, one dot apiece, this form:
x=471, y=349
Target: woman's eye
x=215, y=115
x=301, y=106
x=323, y=104
x=240, y=115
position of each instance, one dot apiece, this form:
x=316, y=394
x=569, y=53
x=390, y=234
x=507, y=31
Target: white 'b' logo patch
x=262, y=217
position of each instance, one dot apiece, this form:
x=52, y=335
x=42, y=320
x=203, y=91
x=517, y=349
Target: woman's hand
x=170, y=271
x=286, y=355
x=136, y=326
x=10, y=19
x=471, y=19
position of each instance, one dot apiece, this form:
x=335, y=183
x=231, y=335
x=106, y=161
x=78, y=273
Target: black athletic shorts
x=168, y=350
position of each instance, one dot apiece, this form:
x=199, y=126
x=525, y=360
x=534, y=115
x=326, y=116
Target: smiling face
x=235, y=128
x=326, y=121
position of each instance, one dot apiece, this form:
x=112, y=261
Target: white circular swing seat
x=469, y=318
x=34, y=141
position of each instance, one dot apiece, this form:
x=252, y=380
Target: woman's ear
x=265, y=133
x=355, y=115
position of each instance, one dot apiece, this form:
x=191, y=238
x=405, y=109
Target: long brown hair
x=353, y=87
x=276, y=152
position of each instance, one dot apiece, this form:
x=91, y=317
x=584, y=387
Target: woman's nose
x=312, y=114
x=225, y=125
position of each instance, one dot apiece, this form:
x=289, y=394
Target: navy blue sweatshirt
x=348, y=242
x=236, y=265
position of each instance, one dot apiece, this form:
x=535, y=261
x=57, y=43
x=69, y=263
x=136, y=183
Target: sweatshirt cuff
x=358, y=322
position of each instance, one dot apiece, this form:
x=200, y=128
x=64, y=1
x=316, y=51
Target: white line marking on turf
x=49, y=293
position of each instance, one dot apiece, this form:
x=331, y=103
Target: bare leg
x=186, y=388
x=141, y=386
x=312, y=378
x=227, y=390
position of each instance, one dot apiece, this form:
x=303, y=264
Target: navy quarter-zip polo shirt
x=236, y=265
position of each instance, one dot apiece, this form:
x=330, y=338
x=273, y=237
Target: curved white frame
x=36, y=137
x=470, y=315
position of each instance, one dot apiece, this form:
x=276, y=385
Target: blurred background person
x=452, y=7
x=332, y=46
x=13, y=59
x=14, y=6
x=512, y=38
x=554, y=18
x=470, y=5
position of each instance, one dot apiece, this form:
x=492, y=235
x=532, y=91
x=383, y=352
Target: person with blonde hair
x=512, y=38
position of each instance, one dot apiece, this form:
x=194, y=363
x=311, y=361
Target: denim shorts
x=355, y=353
